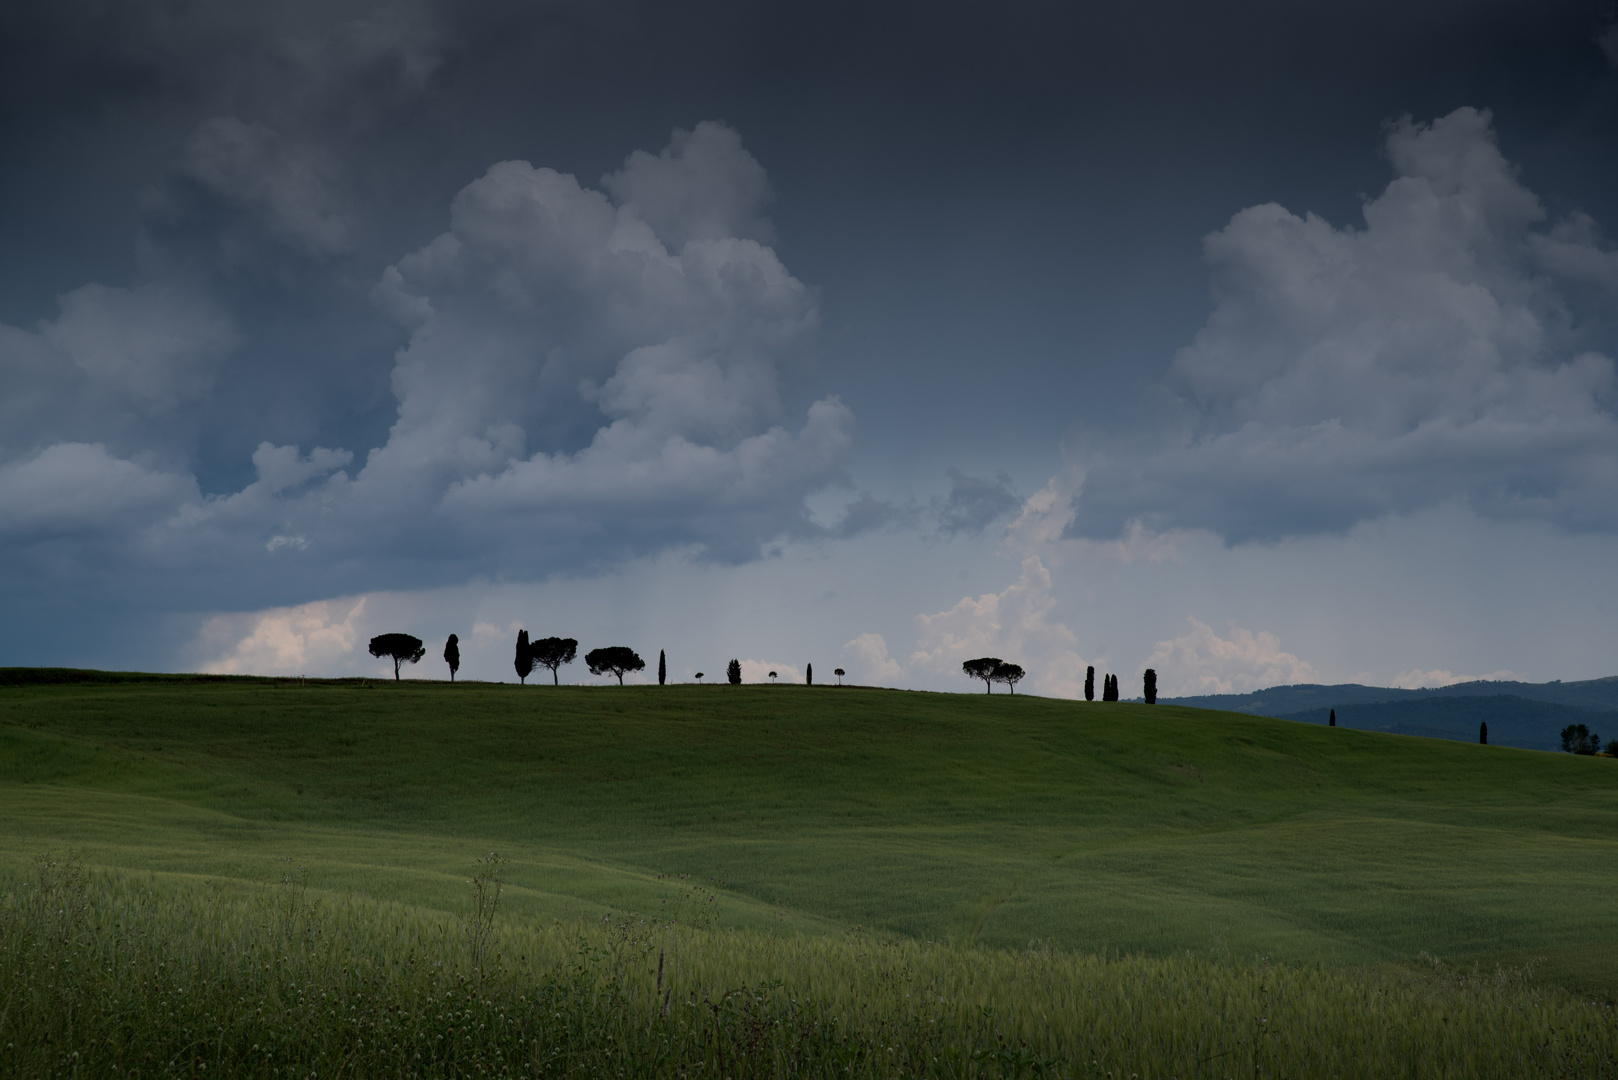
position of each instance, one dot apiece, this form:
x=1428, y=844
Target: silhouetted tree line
x=552, y=653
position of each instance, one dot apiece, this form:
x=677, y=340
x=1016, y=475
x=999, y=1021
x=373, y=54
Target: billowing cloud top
x=589, y=375
x=1435, y=355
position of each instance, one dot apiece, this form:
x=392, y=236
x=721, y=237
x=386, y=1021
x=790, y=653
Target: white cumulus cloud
x=1016, y=624
x=703, y=186
x=574, y=391
x=758, y=671
x=1202, y=662
x=569, y=371
x=1418, y=680
x=318, y=637
x=866, y=661
x=1434, y=354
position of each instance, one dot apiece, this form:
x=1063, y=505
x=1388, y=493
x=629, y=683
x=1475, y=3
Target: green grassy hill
x=975, y=819
x=1513, y=721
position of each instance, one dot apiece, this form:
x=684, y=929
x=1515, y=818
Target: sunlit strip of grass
x=102, y=975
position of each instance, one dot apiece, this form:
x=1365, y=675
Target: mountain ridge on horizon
x=1526, y=715
x=1599, y=694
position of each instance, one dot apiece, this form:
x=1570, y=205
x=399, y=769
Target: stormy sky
x=1251, y=342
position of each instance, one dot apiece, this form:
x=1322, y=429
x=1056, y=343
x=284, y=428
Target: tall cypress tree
x=662, y=668
x=1089, y=684
x=1149, y=686
x=809, y=675
x=1483, y=733
x=1332, y=721
x=524, y=660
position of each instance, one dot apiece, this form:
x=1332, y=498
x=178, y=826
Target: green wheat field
x=251, y=877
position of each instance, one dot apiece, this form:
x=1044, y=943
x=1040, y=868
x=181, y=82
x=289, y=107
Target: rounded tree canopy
x=400, y=648
x=982, y=668
x=553, y=652
x=614, y=660
x=1010, y=674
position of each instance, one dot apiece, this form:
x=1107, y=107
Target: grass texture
x=1068, y=867
x=112, y=977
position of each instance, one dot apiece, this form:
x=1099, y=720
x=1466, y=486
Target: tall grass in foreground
x=107, y=976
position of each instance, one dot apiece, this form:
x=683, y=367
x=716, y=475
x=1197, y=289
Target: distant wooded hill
x=1528, y=715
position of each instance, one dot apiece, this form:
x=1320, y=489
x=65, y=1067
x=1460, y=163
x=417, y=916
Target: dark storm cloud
x=546, y=301
x=975, y=503
x=307, y=298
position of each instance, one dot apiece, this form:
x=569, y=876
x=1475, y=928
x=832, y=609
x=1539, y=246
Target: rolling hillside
x=1513, y=721
x=995, y=820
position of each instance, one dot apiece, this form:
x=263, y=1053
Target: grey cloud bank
x=1441, y=352
x=579, y=386
x=380, y=302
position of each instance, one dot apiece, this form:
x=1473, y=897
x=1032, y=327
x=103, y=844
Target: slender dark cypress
x=1483, y=733
x=1332, y=722
x=809, y=675
x=662, y=668
x=1089, y=684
